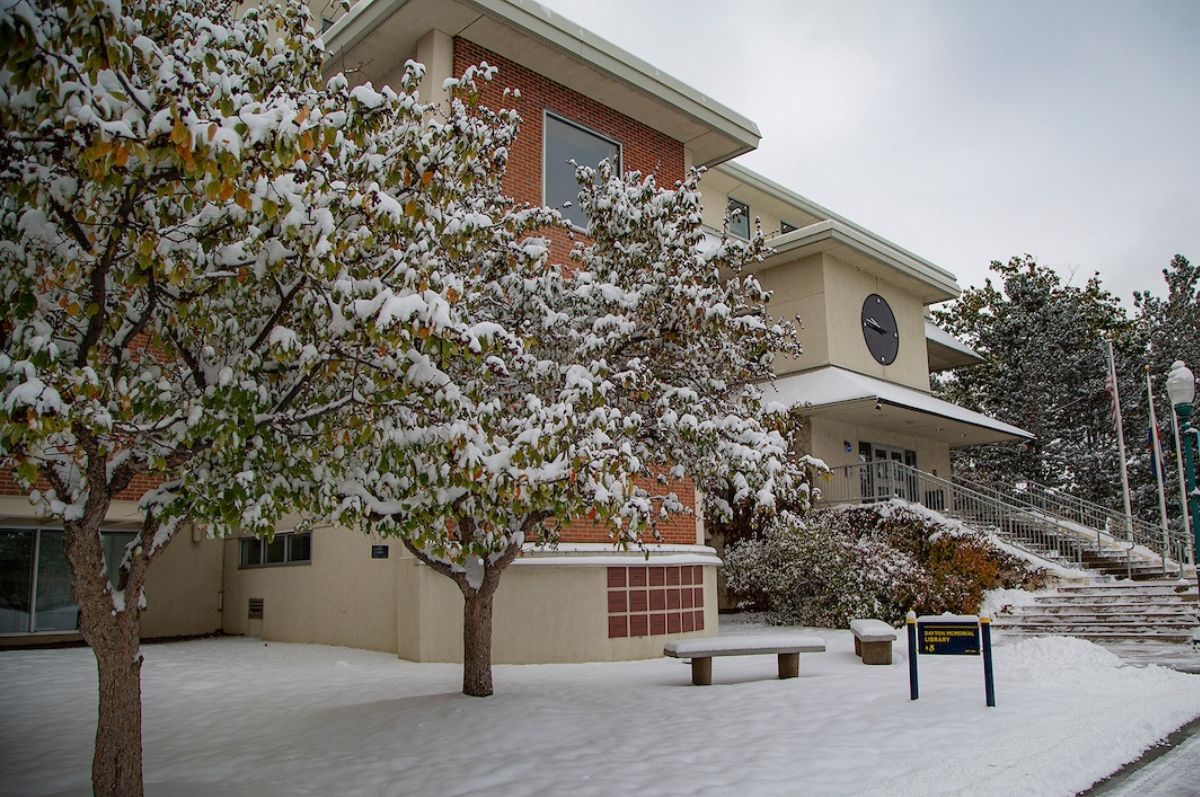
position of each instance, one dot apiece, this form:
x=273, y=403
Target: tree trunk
x=114, y=637
x=477, y=642
x=117, y=762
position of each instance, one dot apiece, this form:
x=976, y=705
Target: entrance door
x=888, y=479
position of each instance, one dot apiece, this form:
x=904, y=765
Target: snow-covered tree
x=219, y=273
x=603, y=380
x=1171, y=325
x=1045, y=371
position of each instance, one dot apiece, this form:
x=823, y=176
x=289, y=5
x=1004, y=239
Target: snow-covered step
x=1104, y=610
x=1164, y=612
x=1182, y=638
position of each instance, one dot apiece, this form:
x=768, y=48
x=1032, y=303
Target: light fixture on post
x=1181, y=389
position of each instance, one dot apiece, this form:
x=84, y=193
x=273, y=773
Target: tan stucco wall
x=798, y=291
x=829, y=437
x=342, y=597
x=827, y=295
x=846, y=288
x=183, y=588
x=718, y=187
x=542, y=614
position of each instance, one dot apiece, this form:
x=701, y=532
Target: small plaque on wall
x=379, y=552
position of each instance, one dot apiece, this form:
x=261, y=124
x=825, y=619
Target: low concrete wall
x=543, y=613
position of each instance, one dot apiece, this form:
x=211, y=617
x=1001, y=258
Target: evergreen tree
x=1172, y=329
x=1045, y=370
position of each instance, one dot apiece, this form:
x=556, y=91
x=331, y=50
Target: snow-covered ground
x=239, y=717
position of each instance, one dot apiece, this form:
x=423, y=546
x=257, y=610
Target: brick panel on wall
x=643, y=149
x=648, y=600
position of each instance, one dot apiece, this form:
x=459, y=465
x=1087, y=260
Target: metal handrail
x=1097, y=517
x=1024, y=524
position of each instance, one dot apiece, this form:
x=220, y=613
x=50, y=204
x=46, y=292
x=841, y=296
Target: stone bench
x=873, y=641
x=787, y=647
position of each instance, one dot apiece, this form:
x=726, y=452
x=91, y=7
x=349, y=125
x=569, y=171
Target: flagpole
x=1183, y=502
x=1158, y=465
x=1116, y=397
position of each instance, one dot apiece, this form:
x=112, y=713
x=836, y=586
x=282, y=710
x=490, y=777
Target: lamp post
x=1181, y=389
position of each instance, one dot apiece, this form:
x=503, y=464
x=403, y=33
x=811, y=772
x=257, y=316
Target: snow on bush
x=833, y=565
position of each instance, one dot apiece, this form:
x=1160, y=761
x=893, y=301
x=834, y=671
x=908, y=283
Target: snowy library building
x=861, y=388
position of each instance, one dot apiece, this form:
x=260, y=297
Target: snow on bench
x=873, y=640
x=701, y=651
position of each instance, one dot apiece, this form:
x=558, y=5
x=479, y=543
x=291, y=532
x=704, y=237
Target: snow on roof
x=833, y=385
x=938, y=335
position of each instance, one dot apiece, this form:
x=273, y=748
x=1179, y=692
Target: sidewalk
x=1170, y=770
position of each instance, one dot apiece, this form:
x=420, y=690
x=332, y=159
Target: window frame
x=36, y=530
x=745, y=218
x=288, y=538
x=547, y=115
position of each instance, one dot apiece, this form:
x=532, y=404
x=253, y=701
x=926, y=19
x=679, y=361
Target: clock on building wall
x=880, y=330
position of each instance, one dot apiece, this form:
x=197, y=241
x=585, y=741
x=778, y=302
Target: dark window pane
x=276, y=549
x=114, y=543
x=16, y=579
x=250, y=552
x=54, y=606
x=566, y=142
x=739, y=219
x=299, y=547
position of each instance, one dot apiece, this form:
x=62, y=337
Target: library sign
x=950, y=635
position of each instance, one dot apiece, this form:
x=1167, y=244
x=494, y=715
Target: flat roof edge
x=923, y=269
x=880, y=249
x=551, y=27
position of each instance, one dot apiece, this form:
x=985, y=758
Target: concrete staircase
x=1162, y=611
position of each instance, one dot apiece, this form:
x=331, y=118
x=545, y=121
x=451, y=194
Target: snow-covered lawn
x=240, y=717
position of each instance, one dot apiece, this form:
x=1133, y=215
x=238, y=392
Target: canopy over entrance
x=833, y=392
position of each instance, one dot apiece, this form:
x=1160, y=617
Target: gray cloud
x=965, y=132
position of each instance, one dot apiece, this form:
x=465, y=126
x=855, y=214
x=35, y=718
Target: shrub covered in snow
x=881, y=560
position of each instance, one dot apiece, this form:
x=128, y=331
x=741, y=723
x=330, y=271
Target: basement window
x=283, y=549
x=564, y=142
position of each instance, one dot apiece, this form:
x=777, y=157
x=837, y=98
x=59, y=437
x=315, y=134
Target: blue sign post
x=950, y=635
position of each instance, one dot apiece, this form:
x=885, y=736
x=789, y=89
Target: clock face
x=880, y=330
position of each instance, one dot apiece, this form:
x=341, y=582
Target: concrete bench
x=873, y=641
x=787, y=647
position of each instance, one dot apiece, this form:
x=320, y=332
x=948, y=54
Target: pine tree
x=1045, y=371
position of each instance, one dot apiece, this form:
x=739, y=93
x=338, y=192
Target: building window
x=739, y=219
x=35, y=579
x=565, y=142
x=282, y=549
x=785, y=228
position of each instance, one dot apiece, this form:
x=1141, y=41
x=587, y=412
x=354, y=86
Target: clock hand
x=875, y=325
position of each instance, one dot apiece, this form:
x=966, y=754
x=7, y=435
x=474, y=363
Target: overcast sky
x=965, y=132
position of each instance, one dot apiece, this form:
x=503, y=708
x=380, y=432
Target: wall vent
x=256, y=609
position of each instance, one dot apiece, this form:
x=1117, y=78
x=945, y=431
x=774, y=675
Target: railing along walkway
x=1030, y=526
x=1094, y=516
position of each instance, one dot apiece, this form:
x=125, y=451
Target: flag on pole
x=1114, y=402
x=1111, y=387
x=1160, y=471
x=1158, y=465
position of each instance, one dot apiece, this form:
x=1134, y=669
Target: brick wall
x=643, y=149
x=139, y=485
